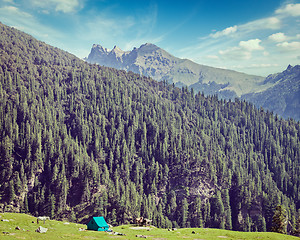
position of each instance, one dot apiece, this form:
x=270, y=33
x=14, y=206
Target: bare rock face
x=110, y=58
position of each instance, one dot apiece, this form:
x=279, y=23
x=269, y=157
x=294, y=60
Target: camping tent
x=97, y=224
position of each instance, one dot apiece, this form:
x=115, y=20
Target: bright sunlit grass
x=64, y=230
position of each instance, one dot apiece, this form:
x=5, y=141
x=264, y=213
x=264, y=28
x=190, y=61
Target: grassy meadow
x=64, y=230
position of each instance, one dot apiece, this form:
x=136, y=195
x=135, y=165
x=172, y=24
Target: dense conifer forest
x=80, y=140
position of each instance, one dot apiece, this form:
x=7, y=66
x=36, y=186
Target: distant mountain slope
x=283, y=98
x=150, y=60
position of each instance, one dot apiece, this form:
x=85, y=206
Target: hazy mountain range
x=150, y=60
x=284, y=97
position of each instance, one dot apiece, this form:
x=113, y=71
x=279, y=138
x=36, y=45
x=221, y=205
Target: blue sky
x=253, y=36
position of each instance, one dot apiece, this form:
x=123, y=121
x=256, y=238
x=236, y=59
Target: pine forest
x=80, y=140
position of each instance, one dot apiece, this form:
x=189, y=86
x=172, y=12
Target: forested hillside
x=79, y=140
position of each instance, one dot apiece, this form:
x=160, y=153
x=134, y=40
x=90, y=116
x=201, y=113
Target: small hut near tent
x=97, y=224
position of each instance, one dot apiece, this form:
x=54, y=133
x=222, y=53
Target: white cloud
x=251, y=45
x=243, y=51
x=264, y=65
x=290, y=10
x=274, y=43
x=272, y=23
x=26, y=22
x=256, y=66
x=65, y=6
x=235, y=53
x=9, y=1
x=107, y=27
x=278, y=37
x=225, y=32
x=213, y=57
x=14, y=11
x=139, y=41
x=45, y=11
x=290, y=46
x=261, y=24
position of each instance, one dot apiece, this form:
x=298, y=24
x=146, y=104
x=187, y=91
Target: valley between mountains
x=80, y=140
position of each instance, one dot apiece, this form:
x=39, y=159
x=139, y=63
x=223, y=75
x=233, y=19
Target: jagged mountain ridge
x=284, y=97
x=150, y=60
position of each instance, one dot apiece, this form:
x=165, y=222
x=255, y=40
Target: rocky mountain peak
x=118, y=52
x=148, y=45
x=290, y=71
x=117, y=49
x=148, y=48
x=99, y=48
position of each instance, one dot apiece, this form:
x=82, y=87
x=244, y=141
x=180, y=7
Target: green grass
x=60, y=230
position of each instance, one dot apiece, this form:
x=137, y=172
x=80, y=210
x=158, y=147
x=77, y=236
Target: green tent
x=97, y=224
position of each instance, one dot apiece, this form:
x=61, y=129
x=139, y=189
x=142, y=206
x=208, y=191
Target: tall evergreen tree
x=279, y=223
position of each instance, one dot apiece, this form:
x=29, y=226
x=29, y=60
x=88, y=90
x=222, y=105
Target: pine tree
x=198, y=213
x=11, y=192
x=25, y=206
x=297, y=227
x=113, y=217
x=279, y=222
x=184, y=212
x=72, y=216
x=52, y=206
x=261, y=226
